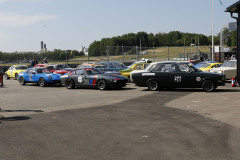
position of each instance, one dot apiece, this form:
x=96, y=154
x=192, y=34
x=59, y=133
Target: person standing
x=34, y=62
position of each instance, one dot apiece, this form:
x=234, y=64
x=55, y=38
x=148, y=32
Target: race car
x=113, y=66
x=207, y=66
x=54, y=68
x=229, y=68
x=92, y=78
x=177, y=75
x=42, y=76
x=135, y=66
x=14, y=71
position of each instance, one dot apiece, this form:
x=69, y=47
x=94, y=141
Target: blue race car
x=42, y=76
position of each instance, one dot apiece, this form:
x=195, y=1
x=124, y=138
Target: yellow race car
x=136, y=66
x=208, y=66
x=14, y=70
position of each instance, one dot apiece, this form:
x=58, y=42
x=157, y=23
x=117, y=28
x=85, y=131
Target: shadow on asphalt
x=16, y=118
x=195, y=90
x=38, y=111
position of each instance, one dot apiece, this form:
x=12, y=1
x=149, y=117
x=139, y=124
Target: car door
x=162, y=74
x=182, y=76
x=27, y=75
x=79, y=78
x=34, y=76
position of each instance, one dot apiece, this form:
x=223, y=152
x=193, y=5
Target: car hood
x=126, y=70
x=137, y=71
x=222, y=69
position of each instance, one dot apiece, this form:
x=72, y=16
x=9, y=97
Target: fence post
x=168, y=53
x=153, y=55
x=136, y=53
x=108, y=53
x=66, y=56
x=123, y=54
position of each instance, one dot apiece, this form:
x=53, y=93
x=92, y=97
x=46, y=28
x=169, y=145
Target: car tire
x=16, y=76
x=70, y=84
x=208, y=86
x=6, y=76
x=102, y=85
x=153, y=85
x=42, y=82
x=22, y=81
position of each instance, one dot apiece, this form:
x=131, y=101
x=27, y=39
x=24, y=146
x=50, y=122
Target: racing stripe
x=94, y=80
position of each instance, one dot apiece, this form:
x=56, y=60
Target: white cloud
x=18, y=20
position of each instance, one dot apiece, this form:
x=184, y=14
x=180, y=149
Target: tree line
x=173, y=38
x=50, y=55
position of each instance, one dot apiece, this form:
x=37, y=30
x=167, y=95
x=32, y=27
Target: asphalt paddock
x=133, y=124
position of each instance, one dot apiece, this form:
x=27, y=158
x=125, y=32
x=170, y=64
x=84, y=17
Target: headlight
x=114, y=80
x=50, y=77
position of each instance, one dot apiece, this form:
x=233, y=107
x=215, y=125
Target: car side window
x=162, y=68
x=30, y=71
x=175, y=68
x=184, y=68
x=12, y=68
x=79, y=72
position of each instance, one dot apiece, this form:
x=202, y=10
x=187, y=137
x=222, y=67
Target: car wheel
x=22, y=81
x=6, y=76
x=42, y=82
x=70, y=84
x=16, y=76
x=153, y=85
x=102, y=85
x=208, y=86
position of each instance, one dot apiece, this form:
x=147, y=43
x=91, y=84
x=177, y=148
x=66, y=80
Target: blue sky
x=71, y=24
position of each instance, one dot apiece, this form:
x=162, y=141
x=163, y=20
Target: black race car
x=92, y=78
x=177, y=75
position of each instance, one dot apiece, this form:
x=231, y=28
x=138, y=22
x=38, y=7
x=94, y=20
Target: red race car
x=52, y=67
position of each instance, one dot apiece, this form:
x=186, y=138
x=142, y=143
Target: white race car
x=229, y=68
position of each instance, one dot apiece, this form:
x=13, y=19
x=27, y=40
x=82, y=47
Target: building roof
x=234, y=8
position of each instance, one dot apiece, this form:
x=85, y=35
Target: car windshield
x=42, y=70
x=93, y=71
x=194, y=68
x=229, y=64
x=204, y=65
x=50, y=67
x=20, y=67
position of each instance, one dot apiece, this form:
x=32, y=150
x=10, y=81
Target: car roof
x=110, y=62
x=172, y=62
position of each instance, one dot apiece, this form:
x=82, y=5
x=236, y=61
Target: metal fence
x=123, y=54
x=135, y=53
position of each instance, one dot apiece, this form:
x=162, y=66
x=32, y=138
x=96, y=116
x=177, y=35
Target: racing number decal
x=177, y=78
x=80, y=79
